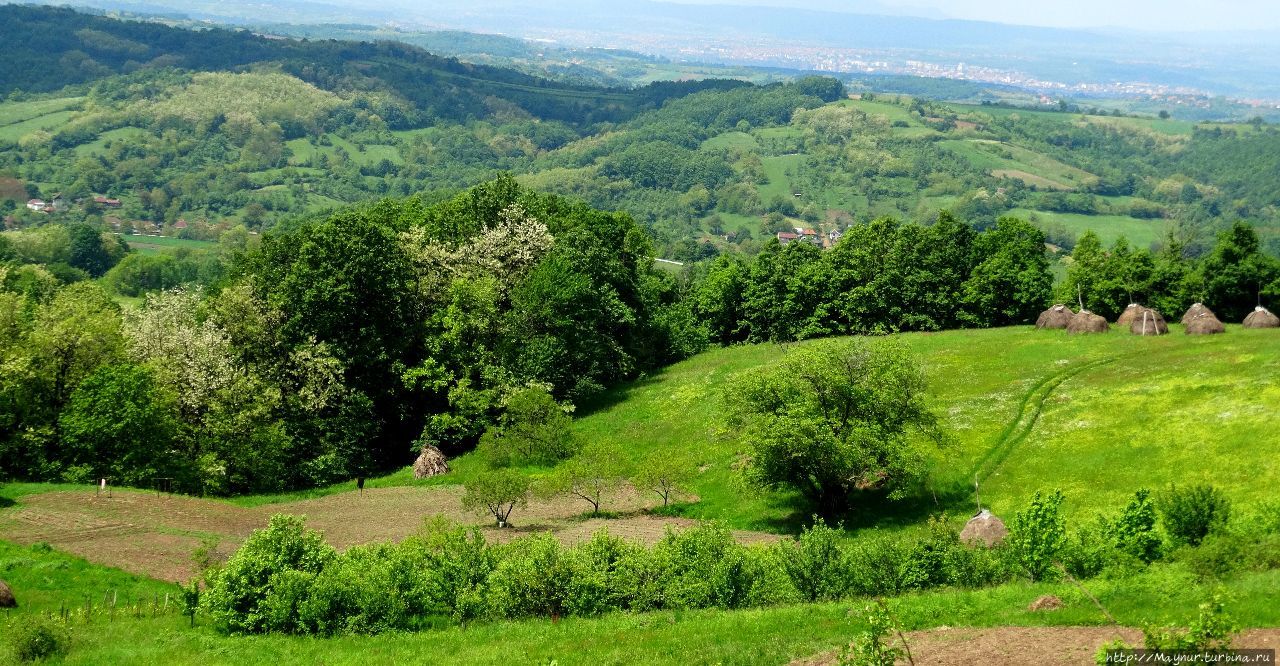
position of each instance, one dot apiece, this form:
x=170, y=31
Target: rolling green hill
x=1098, y=416
x=304, y=126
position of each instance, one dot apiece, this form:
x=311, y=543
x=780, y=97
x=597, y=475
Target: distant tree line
x=881, y=277
x=1233, y=278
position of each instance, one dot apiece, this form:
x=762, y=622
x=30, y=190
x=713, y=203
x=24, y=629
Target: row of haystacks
x=1142, y=320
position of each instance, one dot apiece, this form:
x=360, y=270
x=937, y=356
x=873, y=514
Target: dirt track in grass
x=155, y=535
x=1026, y=646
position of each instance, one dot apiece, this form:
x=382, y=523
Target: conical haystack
x=1129, y=313
x=1261, y=318
x=1057, y=316
x=984, y=529
x=1204, y=324
x=6, y=596
x=1148, y=322
x=1087, y=322
x=1197, y=310
x=431, y=462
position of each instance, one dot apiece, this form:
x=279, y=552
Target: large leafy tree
x=1011, y=282
x=120, y=423
x=74, y=333
x=717, y=299
x=1088, y=269
x=88, y=252
x=533, y=429
x=836, y=419
x=347, y=283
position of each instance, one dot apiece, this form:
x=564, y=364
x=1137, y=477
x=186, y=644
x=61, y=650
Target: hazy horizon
x=1146, y=15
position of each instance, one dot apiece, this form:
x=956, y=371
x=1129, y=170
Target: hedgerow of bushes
x=286, y=579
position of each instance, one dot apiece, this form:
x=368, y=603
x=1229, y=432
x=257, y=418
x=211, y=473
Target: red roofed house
x=808, y=235
x=109, y=203
x=785, y=237
x=39, y=205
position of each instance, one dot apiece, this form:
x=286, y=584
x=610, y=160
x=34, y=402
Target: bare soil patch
x=1031, y=179
x=1026, y=646
x=156, y=534
x=12, y=188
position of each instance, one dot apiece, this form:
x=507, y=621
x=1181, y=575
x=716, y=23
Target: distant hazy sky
x=1180, y=15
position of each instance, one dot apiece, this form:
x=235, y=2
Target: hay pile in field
x=1087, y=322
x=6, y=596
x=1057, y=316
x=1046, y=603
x=1129, y=314
x=431, y=462
x=985, y=529
x=1197, y=310
x=1204, y=324
x=1148, y=322
x=1261, y=318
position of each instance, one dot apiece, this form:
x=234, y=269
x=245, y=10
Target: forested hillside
x=216, y=128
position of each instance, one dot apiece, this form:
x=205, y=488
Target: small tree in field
x=664, y=475
x=1038, y=534
x=497, y=493
x=589, y=476
x=835, y=418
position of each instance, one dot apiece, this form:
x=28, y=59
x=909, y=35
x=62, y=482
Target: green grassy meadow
x=1139, y=232
x=53, y=583
x=1004, y=159
x=1153, y=412
x=153, y=244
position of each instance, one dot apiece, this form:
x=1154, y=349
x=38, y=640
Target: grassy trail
x=1028, y=415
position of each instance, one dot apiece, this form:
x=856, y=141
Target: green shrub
x=702, y=567
x=770, y=585
x=874, y=646
x=1037, y=535
x=1135, y=530
x=35, y=638
x=1189, y=514
x=237, y=590
x=286, y=592
x=816, y=564
x=875, y=567
x=533, y=578
x=364, y=591
x=1224, y=552
x=597, y=586
x=1211, y=631
x=639, y=580
x=455, y=567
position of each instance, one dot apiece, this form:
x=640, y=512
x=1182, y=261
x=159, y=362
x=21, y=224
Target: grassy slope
x=1139, y=232
x=1027, y=165
x=47, y=582
x=1164, y=410
x=1137, y=412
x=1155, y=411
